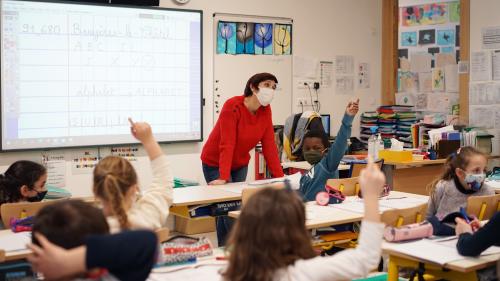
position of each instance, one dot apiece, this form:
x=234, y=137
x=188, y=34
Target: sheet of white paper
x=15, y=241
x=480, y=66
x=344, y=65
x=435, y=134
x=55, y=164
x=438, y=102
x=481, y=116
x=425, y=81
x=363, y=76
x=495, y=60
x=421, y=62
x=326, y=73
x=491, y=37
x=402, y=203
x=451, y=78
x=344, y=85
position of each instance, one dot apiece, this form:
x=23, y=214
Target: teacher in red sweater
x=244, y=121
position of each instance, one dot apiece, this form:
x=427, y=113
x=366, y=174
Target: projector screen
x=71, y=74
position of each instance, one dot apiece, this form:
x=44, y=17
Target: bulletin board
x=235, y=64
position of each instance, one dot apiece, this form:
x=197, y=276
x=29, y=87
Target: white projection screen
x=72, y=74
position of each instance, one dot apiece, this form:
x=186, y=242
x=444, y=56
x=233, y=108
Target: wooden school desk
x=464, y=269
x=13, y=255
x=324, y=216
x=413, y=176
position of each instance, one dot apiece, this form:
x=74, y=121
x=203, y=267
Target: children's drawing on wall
x=454, y=10
x=438, y=79
x=282, y=39
x=427, y=36
x=421, y=101
x=446, y=37
x=408, y=81
x=425, y=81
x=263, y=38
x=409, y=38
x=244, y=38
x=226, y=38
x=424, y=14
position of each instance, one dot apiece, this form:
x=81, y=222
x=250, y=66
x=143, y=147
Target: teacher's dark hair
x=255, y=80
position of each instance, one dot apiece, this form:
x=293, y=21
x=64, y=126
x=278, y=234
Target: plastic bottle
x=373, y=144
x=380, y=145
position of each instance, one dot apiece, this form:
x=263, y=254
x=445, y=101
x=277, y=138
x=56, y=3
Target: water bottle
x=372, y=143
x=380, y=144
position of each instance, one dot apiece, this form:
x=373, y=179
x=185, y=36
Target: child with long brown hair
x=116, y=186
x=270, y=240
x=464, y=175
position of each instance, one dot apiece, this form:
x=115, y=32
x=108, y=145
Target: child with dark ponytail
x=116, y=186
x=464, y=175
x=23, y=181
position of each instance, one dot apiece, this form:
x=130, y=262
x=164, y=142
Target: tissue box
x=396, y=156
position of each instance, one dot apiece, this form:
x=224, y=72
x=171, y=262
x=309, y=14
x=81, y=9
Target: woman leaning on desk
x=244, y=121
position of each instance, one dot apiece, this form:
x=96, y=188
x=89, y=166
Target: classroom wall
x=322, y=29
x=484, y=13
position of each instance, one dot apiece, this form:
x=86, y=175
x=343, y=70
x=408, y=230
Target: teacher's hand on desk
x=217, y=182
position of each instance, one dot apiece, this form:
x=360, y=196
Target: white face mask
x=265, y=96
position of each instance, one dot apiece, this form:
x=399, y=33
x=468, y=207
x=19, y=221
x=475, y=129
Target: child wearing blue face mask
x=463, y=177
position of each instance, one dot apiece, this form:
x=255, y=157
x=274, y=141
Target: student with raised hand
x=464, y=175
x=71, y=242
x=116, y=187
x=23, y=181
x=324, y=158
x=270, y=240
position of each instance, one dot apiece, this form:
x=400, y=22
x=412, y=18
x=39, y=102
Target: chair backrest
x=357, y=167
x=399, y=217
x=162, y=234
x=348, y=186
x=17, y=210
x=483, y=207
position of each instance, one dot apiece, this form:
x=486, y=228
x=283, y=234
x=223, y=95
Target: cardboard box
x=194, y=225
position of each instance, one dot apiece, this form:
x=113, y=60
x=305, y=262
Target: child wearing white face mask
x=463, y=177
x=244, y=121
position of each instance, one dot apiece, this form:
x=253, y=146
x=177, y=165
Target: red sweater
x=236, y=133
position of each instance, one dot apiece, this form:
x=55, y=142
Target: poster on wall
x=282, y=39
x=428, y=14
x=427, y=36
x=226, y=38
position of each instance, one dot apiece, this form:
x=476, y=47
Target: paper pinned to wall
x=344, y=65
x=480, y=115
x=408, y=82
x=425, y=81
x=405, y=64
x=451, y=78
x=363, y=75
x=495, y=60
x=491, y=37
x=421, y=101
x=437, y=79
x=443, y=60
x=344, y=85
x=305, y=67
x=55, y=164
x=421, y=63
x=84, y=161
x=480, y=66
x=405, y=99
x=326, y=73
x=484, y=93
x=439, y=102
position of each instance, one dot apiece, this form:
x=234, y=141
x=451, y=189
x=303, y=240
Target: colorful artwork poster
x=446, y=37
x=244, y=38
x=282, y=39
x=226, y=38
x=427, y=36
x=428, y=14
x=454, y=10
x=438, y=79
x=409, y=38
x=263, y=38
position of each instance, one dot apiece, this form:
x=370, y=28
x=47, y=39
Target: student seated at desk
x=115, y=185
x=23, y=181
x=325, y=164
x=70, y=243
x=464, y=175
x=270, y=240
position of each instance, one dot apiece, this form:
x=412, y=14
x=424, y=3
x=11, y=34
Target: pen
x=464, y=214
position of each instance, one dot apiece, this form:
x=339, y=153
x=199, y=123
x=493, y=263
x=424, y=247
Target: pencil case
x=181, y=249
x=331, y=195
x=408, y=232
